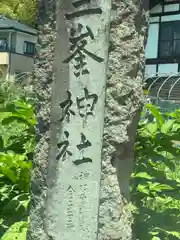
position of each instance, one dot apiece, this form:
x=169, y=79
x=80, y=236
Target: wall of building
x=4, y=34
x=21, y=38
x=169, y=12
x=15, y=61
x=20, y=63
x=13, y=41
x=4, y=58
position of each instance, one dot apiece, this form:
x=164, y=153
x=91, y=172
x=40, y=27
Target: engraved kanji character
x=66, y=105
x=78, y=43
x=82, y=160
x=63, y=148
x=86, y=104
x=84, y=144
x=79, y=13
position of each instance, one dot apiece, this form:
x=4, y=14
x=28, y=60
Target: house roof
x=6, y=23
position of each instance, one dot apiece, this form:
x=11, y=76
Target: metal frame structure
x=164, y=90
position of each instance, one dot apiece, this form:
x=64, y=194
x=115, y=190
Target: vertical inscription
x=79, y=127
x=80, y=37
x=83, y=206
x=69, y=211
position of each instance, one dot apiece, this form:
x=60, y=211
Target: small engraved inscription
x=82, y=176
x=69, y=212
x=84, y=205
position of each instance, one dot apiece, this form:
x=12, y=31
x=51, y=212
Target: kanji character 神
x=86, y=104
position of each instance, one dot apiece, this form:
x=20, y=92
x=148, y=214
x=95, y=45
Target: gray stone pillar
x=81, y=55
x=70, y=84
x=71, y=138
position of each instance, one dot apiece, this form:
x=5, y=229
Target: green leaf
x=173, y=233
x=167, y=126
x=159, y=187
x=142, y=175
x=18, y=118
x=152, y=128
x=5, y=192
x=9, y=108
x=17, y=231
x=156, y=113
x=17, y=204
x=7, y=172
x=143, y=189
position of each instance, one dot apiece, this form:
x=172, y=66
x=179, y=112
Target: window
x=3, y=44
x=169, y=39
x=29, y=48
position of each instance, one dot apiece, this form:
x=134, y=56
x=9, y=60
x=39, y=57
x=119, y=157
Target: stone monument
x=77, y=119
x=77, y=192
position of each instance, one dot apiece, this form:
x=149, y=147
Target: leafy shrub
x=156, y=176
x=17, y=141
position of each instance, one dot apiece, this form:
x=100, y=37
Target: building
x=163, y=50
x=17, y=47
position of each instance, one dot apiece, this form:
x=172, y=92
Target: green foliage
x=16, y=231
x=23, y=10
x=156, y=176
x=17, y=141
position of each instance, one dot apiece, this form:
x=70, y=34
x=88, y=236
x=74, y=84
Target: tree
x=22, y=10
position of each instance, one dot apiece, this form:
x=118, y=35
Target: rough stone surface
x=123, y=104
x=61, y=199
x=124, y=100
x=42, y=84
